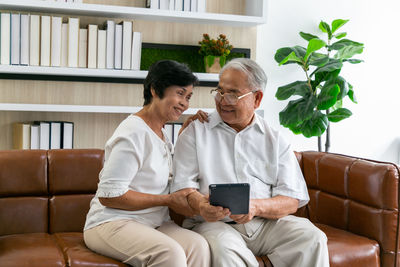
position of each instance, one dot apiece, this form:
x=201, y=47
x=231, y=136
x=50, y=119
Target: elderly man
x=237, y=146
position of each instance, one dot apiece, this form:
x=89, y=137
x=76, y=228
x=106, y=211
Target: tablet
x=235, y=197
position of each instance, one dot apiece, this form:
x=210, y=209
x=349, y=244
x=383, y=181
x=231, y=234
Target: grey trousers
x=289, y=241
x=137, y=244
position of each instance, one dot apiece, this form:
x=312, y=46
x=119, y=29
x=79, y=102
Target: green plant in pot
x=318, y=99
x=214, y=52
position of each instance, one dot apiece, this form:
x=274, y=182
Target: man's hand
x=244, y=218
x=213, y=213
x=201, y=204
x=178, y=202
x=200, y=115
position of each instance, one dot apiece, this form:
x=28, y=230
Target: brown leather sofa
x=45, y=195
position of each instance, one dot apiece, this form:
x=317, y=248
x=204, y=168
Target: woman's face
x=175, y=101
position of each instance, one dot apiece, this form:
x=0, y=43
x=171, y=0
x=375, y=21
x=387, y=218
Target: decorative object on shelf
x=324, y=89
x=214, y=52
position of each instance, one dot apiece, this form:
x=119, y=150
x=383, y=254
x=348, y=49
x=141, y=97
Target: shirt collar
x=215, y=120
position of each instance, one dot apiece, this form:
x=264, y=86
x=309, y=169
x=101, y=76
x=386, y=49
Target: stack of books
x=41, y=40
x=43, y=135
x=178, y=5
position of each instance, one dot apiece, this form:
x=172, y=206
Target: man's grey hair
x=256, y=76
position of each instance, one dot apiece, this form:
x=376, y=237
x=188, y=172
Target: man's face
x=240, y=115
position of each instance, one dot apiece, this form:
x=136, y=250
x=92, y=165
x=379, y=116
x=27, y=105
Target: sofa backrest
x=357, y=195
x=47, y=191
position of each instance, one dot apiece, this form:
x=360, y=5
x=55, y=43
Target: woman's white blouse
x=137, y=159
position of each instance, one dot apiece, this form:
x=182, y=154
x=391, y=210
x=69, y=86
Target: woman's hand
x=200, y=115
x=178, y=202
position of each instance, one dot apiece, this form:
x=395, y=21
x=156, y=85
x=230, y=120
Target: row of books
x=41, y=40
x=43, y=135
x=172, y=130
x=178, y=5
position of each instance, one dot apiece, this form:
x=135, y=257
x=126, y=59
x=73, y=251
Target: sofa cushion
x=350, y=250
x=77, y=254
x=37, y=249
x=20, y=215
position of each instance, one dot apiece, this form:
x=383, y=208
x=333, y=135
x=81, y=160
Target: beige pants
x=137, y=244
x=290, y=241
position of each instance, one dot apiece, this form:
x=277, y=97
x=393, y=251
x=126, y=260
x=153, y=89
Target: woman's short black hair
x=165, y=73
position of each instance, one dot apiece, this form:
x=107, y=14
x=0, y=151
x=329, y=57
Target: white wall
x=374, y=129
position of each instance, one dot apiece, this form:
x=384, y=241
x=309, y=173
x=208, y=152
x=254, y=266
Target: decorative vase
x=213, y=64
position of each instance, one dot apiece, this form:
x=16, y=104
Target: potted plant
x=319, y=98
x=214, y=52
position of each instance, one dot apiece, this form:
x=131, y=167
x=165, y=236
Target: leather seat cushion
x=33, y=250
x=77, y=254
x=350, y=250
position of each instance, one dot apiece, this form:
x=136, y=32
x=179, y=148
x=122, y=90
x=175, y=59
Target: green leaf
x=296, y=88
x=332, y=65
x=307, y=36
x=339, y=114
x=351, y=94
x=348, y=52
x=337, y=105
x=324, y=76
x=318, y=59
x=325, y=28
x=298, y=110
x=292, y=58
x=296, y=129
x=340, y=35
x=282, y=53
x=343, y=43
x=328, y=96
x=315, y=126
x=337, y=23
x=313, y=45
x=353, y=60
x=343, y=85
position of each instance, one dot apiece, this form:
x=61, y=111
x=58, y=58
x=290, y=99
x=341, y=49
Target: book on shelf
x=5, y=35
x=201, y=6
x=24, y=50
x=55, y=134
x=126, y=44
x=64, y=45
x=21, y=135
x=92, y=46
x=186, y=5
x=73, y=42
x=136, y=50
x=35, y=136
x=118, y=47
x=154, y=4
x=44, y=134
x=171, y=5
x=110, y=28
x=101, y=49
x=34, y=40
x=193, y=5
x=83, y=46
x=15, y=39
x=164, y=4
x=45, y=41
x=178, y=5
x=67, y=134
x=55, y=57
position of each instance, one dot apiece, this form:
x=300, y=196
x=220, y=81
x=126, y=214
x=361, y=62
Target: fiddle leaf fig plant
x=318, y=100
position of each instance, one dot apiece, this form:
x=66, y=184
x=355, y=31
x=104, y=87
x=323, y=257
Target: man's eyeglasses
x=230, y=98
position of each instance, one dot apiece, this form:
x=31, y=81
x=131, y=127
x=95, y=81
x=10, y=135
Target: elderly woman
x=128, y=218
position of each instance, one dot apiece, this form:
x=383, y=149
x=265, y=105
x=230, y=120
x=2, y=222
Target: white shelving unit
x=84, y=72
x=257, y=9
x=81, y=108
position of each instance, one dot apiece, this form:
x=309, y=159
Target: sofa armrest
x=356, y=195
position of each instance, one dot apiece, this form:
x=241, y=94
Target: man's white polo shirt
x=213, y=152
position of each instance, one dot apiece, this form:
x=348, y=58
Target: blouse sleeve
x=120, y=167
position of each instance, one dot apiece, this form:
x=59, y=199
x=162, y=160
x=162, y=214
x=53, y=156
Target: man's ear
x=258, y=95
